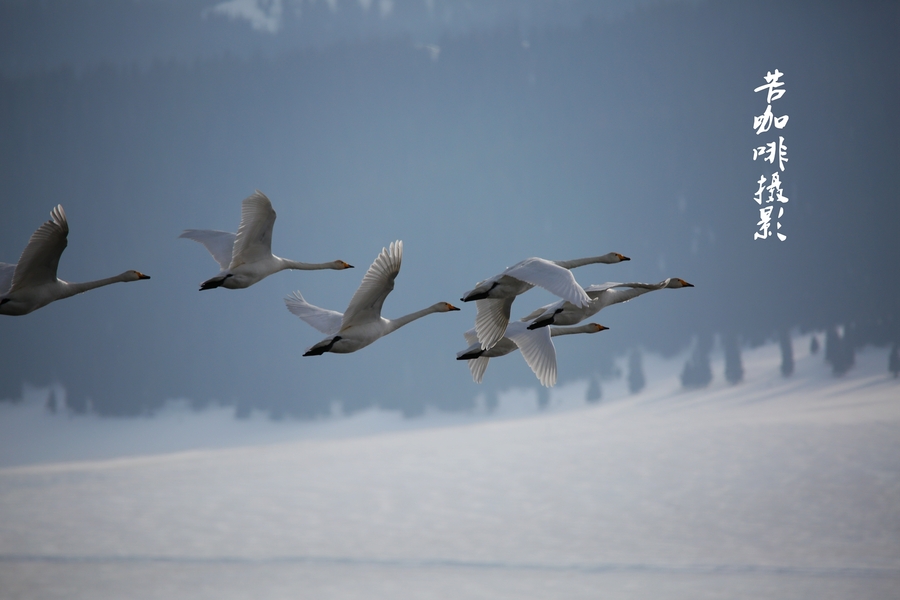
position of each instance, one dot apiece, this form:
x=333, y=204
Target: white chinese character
x=772, y=83
x=763, y=122
x=769, y=151
x=765, y=218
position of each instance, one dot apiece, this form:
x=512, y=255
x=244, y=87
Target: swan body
x=602, y=295
x=535, y=344
x=362, y=323
x=494, y=296
x=32, y=282
x=246, y=257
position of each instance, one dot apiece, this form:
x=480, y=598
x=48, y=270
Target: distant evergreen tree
x=838, y=352
x=697, y=372
x=814, y=345
x=787, y=353
x=594, y=393
x=734, y=367
x=636, y=379
x=543, y=398
x=894, y=360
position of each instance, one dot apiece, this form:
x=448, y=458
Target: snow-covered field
x=774, y=488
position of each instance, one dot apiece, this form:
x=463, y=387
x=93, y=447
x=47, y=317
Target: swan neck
x=71, y=289
x=580, y=262
x=555, y=331
x=302, y=266
x=395, y=324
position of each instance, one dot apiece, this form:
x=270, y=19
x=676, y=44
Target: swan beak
x=347, y=265
x=142, y=276
x=451, y=307
x=686, y=284
x=601, y=327
x=623, y=257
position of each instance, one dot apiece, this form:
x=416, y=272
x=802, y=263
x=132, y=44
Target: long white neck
x=302, y=266
x=610, y=258
x=71, y=289
x=588, y=328
x=615, y=296
x=395, y=324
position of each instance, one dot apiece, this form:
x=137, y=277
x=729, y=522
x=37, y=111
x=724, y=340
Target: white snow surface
x=773, y=488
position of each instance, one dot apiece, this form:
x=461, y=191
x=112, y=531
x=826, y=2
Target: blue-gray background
x=479, y=134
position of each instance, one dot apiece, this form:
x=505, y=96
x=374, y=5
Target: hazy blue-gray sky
x=479, y=134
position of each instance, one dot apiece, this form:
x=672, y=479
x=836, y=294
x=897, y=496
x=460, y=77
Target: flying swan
x=32, y=282
x=246, y=257
x=536, y=346
x=362, y=323
x=494, y=297
x=602, y=295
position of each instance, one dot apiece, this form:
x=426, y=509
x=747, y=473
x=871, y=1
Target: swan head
x=676, y=282
x=595, y=327
x=621, y=257
x=340, y=265
x=133, y=276
x=443, y=307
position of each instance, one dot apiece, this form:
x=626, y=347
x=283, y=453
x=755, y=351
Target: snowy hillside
x=777, y=487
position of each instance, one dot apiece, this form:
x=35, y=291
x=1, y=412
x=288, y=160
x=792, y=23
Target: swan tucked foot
x=545, y=321
x=479, y=293
x=469, y=355
x=322, y=347
x=211, y=284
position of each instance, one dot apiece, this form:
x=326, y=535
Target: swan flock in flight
x=246, y=258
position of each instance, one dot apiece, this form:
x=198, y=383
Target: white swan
x=535, y=345
x=32, y=282
x=362, y=323
x=494, y=296
x=602, y=295
x=246, y=257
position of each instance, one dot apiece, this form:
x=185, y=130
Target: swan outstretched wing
x=491, y=319
x=219, y=243
x=254, y=237
x=550, y=276
x=477, y=366
x=326, y=321
x=40, y=259
x=6, y=275
x=537, y=349
x=365, y=306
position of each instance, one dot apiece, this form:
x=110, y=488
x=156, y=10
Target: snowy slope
x=777, y=487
